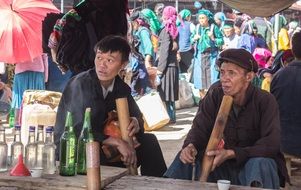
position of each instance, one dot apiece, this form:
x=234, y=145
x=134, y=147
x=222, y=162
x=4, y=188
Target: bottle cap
x=32, y=128
x=20, y=169
x=49, y=129
x=17, y=127
x=40, y=127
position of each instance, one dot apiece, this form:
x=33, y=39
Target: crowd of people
x=223, y=53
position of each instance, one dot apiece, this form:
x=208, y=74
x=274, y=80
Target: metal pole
x=62, y=6
x=276, y=31
x=134, y=4
x=177, y=5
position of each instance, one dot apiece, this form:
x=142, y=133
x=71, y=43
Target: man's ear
x=124, y=64
x=250, y=76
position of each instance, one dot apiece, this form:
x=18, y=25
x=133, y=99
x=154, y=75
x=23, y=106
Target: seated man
x=98, y=89
x=251, y=155
x=286, y=88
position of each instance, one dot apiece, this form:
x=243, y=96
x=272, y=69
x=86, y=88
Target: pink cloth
x=262, y=55
x=169, y=19
x=38, y=64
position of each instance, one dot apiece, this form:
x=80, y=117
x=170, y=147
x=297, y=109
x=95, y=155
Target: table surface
x=57, y=182
x=154, y=183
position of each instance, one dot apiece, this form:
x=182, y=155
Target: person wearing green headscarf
x=185, y=28
x=152, y=20
x=184, y=14
x=208, y=39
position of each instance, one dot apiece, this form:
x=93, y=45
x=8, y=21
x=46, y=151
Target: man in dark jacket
x=98, y=89
x=286, y=88
x=251, y=154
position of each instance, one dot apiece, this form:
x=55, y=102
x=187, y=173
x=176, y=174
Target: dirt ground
x=171, y=138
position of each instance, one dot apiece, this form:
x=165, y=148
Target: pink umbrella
x=21, y=28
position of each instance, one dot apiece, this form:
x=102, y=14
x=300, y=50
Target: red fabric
x=21, y=28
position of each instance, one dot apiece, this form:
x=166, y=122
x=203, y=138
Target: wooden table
x=154, y=183
x=57, y=182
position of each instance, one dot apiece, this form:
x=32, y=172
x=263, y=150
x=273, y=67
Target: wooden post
x=124, y=121
x=93, y=165
x=216, y=135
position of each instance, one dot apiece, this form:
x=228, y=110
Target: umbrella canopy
x=21, y=28
x=259, y=7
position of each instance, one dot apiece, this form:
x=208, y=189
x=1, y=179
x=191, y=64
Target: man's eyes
x=230, y=73
x=102, y=59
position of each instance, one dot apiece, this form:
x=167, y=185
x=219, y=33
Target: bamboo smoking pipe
x=216, y=135
x=124, y=121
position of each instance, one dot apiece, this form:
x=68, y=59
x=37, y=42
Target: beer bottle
x=68, y=145
x=85, y=136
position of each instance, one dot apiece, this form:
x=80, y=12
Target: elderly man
x=251, y=154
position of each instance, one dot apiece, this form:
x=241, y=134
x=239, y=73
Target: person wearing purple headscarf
x=167, y=71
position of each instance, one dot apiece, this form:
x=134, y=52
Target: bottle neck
x=17, y=137
x=87, y=131
x=40, y=136
x=31, y=137
x=2, y=136
x=49, y=138
x=70, y=128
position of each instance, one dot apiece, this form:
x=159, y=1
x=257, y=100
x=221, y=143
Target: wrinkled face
x=234, y=79
x=203, y=20
x=228, y=31
x=107, y=66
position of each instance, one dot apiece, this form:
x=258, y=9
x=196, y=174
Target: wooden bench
x=288, y=162
x=57, y=182
x=152, y=183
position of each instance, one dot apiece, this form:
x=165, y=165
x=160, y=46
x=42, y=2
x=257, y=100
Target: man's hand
x=221, y=155
x=128, y=154
x=188, y=154
x=133, y=127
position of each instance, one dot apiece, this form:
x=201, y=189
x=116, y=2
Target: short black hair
x=113, y=43
x=296, y=44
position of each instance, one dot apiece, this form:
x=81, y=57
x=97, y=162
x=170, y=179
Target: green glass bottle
x=85, y=136
x=68, y=147
x=11, y=119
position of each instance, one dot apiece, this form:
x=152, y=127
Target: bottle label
x=71, y=152
x=92, y=151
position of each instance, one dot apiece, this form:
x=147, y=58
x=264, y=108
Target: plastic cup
x=223, y=184
x=36, y=172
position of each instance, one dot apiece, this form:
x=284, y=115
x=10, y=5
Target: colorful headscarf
x=207, y=13
x=169, y=20
x=262, y=55
x=152, y=19
x=183, y=14
x=220, y=15
x=293, y=25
